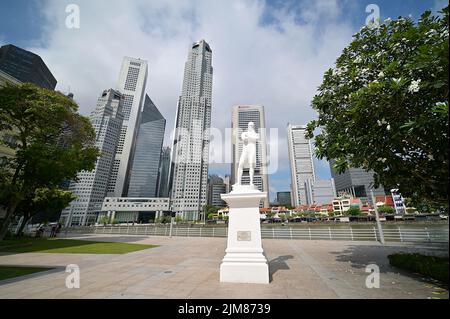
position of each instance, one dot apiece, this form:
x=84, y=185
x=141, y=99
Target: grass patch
x=8, y=272
x=430, y=266
x=68, y=246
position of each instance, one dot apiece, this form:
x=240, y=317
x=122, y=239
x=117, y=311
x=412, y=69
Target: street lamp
x=377, y=218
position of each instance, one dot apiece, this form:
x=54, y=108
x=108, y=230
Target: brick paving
x=189, y=268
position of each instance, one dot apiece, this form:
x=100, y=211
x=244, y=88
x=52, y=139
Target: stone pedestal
x=244, y=261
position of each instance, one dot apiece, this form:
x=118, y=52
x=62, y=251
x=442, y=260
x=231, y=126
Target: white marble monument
x=244, y=261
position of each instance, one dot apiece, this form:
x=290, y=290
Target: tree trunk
x=9, y=214
x=25, y=220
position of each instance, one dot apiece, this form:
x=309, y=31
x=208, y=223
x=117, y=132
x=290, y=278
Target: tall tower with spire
x=190, y=151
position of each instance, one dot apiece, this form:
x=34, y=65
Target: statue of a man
x=249, y=137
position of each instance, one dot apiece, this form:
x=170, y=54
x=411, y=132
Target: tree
x=178, y=219
x=46, y=205
x=385, y=209
x=384, y=107
x=210, y=210
x=105, y=220
x=52, y=143
x=353, y=211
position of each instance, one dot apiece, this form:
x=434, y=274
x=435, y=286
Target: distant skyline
x=272, y=53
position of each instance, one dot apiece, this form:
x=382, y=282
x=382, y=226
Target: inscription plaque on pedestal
x=244, y=235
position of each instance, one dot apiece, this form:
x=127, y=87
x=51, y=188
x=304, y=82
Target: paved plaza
x=189, y=268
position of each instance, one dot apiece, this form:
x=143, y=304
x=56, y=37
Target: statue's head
x=251, y=125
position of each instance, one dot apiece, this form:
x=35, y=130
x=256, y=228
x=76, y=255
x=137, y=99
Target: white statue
x=249, y=137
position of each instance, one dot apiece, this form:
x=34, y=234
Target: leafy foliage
x=431, y=266
x=353, y=211
x=210, y=209
x=386, y=210
x=384, y=107
x=52, y=143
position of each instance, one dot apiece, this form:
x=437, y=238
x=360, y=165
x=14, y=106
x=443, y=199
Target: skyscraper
x=191, y=140
x=132, y=81
x=19, y=65
x=357, y=182
x=216, y=187
x=301, y=162
x=164, y=170
x=320, y=192
x=91, y=187
x=147, y=155
x=284, y=198
x=241, y=116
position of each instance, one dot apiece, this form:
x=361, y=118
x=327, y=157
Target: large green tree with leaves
x=46, y=205
x=52, y=143
x=384, y=107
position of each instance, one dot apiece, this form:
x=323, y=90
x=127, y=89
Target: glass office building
x=25, y=66
x=147, y=156
x=357, y=182
x=164, y=171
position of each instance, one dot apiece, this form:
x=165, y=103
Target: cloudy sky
x=272, y=53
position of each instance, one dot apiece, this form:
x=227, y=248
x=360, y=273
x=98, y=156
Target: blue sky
x=272, y=53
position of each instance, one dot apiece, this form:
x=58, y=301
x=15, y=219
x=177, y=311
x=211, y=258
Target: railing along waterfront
x=398, y=234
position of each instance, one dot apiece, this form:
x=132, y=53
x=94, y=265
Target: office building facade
x=216, y=187
x=241, y=116
x=18, y=66
x=91, y=187
x=164, y=173
x=147, y=154
x=190, y=151
x=132, y=82
x=284, y=198
x=25, y=66
x=320, y=192
x=356, y=182
x=301, y=163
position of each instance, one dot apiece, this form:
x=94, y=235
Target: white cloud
x=439, y=5
x=278, y=65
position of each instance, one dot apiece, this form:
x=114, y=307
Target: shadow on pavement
x=278, y=263
x=43, y=272
x=360, y=256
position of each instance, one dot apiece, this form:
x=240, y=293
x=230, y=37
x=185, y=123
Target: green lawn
x=71, y=246
x=7, y=272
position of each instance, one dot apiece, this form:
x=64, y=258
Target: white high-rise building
x=241, y=116
x=91, y=187
x=320, y=192
x=301, y=162
x=191, y=140
x=132, y=81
